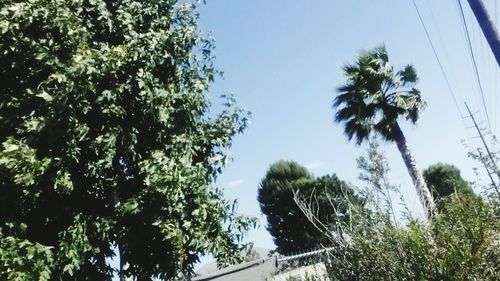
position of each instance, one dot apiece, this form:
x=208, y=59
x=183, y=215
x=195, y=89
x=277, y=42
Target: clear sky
x=282, y=58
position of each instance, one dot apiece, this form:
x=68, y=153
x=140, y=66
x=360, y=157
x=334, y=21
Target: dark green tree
x=373, y=99
x=105, y=141
x=444, y=180
x=290, y=227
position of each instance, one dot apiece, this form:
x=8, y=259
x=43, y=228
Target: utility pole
x=487, y=27
x=481, y=156
x=493, y=163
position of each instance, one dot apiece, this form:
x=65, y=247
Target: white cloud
x=315, y=165
x=235, y=182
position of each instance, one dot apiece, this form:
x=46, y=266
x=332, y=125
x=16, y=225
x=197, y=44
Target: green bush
x=461, y=243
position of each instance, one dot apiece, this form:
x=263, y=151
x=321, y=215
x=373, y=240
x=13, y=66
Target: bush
x=461, y=243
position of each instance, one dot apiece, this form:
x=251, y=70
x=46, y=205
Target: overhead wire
x=434, y=21
x=476, y=73
x=443, y=72
x=467, y=141
x=477, y=36
x=452, y=93
x=491, y=69
x=484, y=65
x=474, y=63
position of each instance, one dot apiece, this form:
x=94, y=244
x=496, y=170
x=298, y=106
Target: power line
x=440, y=64
x=434, y=21
x=474, y=64
x=445, y=76
x=437, y=58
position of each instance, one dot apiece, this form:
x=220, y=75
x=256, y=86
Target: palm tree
x=373, y=99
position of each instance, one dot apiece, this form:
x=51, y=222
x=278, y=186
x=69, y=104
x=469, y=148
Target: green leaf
x=44, y=95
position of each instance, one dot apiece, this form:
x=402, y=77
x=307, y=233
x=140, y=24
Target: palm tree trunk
x=417, y=178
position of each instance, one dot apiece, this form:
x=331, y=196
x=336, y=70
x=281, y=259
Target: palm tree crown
x=373, y=99
x=375, y=96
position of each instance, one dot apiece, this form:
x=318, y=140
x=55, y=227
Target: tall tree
x=105, y=141
x=290, y=227
x=444, y=180
x=372, y=101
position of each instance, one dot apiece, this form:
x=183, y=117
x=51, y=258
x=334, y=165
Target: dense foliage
x=444, y=180
x=105, y=141
x=291, y=228
x=461, y=243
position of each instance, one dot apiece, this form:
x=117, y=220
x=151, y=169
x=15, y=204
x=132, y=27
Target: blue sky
x=282, y=58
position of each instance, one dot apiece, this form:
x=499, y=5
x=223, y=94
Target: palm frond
x=384, y=129
x=411, y=104
x=350, y=70
x=375, y=96
x=345, y=113
x=408, y=75
x=347, y=94
x=359, y=129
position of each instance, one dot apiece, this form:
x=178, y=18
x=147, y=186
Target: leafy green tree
x=291, y=229
x=106, y=142
x=444, y=180
x=372, y=101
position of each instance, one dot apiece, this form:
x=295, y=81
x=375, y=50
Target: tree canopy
x=106, y=141
x=375, y=96
x=444, y=180
x=291, y=229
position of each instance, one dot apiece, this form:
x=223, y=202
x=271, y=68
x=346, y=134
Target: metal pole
x=488, y=171
x=493, y=163
x=487, y=26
